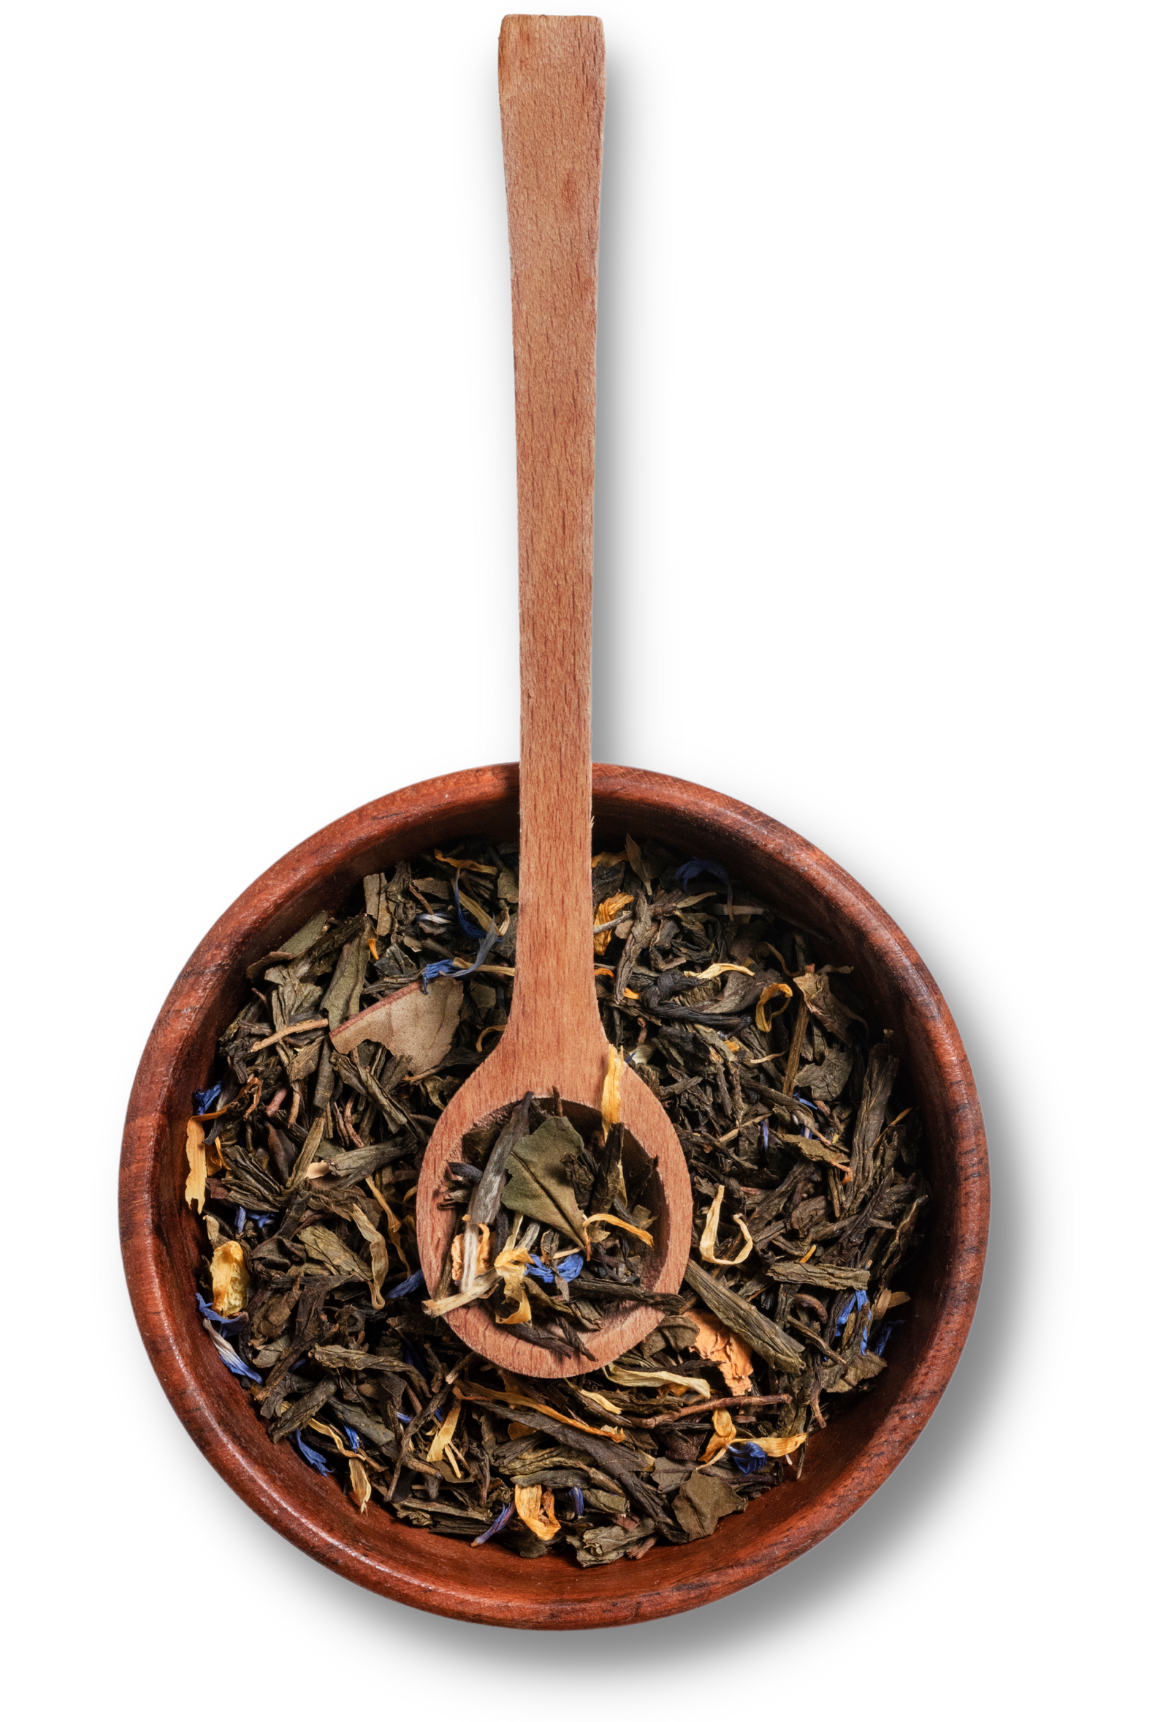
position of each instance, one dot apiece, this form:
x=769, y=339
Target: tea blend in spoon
x=304, y=1158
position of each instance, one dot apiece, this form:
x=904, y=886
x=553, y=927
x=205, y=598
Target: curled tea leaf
x=380, y=1261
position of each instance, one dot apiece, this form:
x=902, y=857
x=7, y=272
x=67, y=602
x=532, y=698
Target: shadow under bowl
x=161, y=1241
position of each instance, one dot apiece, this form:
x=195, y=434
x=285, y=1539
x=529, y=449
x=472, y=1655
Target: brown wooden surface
x=845, y=1463
x=551, y=83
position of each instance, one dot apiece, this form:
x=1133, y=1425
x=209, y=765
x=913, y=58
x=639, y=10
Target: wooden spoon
x=551, y=85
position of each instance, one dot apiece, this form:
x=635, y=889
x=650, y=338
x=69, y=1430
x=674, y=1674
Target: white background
x=882, y=548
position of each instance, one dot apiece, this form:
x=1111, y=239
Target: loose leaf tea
x=303, y=1157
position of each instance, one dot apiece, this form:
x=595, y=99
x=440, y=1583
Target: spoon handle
x=552, y=87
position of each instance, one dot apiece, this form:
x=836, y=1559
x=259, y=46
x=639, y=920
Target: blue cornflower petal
x=352, y=1437
x=499, y=1523
x=885, y=1335
x=539, y=1271
x=447, y=966
x=570, y=1267
x=309, y=1455
x=229, y=1357
x=413, y=1283
x=576, y=1497
x=748, y=1456
x=433, y=971
x=689, y=870
x=239, y=1221
x=857, y=1300
x=468, y=928
x=204, y=1099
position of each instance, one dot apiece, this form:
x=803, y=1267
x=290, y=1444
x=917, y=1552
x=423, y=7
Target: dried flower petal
x=708, y=1244
x=606, y=912
x=778, y=989
x=442, y=1440
x=360, y=1484
x=609, y=1105
x=535, y=1507
x=197, y=1175
x=230, y=1279
x=717, y=1344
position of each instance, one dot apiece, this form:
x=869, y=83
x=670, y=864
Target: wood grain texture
x=551, y=83
x=845, y=1463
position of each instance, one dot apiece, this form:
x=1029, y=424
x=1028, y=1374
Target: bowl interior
x=162, y=1241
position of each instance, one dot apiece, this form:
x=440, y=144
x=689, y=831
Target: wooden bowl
x=161, y=1242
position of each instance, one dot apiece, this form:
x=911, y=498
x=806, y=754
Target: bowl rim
x=272, y=1482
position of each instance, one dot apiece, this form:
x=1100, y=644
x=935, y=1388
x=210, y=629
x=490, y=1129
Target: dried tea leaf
x=410, y=1023
x=326, y=1247
x=703, y=1501
x=380, y=1261
x=535, y=1507
x=758, y=1331
x=539, y=1186
x=230, y=1279
x=197, y=1166
x=822, y=1003
x=716, y=1344
x=341, y=989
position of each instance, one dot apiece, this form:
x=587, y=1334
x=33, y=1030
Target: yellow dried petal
x=535, y=1508
x=230, y=1279
x=493, y=1395
x=511, y=1265
x=360, y=1484
x=610, y=1220
x=777, y=1446
x=601, y=1399
x=604, y=859
x=197, y=1162
x=724, y=1432
x=478, y=1289
x=609, y=1105
x=715, y=969
x=648, y=1377
x=708, y=1244
x=442, y=1440
x=779, y=989
x=469, y=866
x=607, y=911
